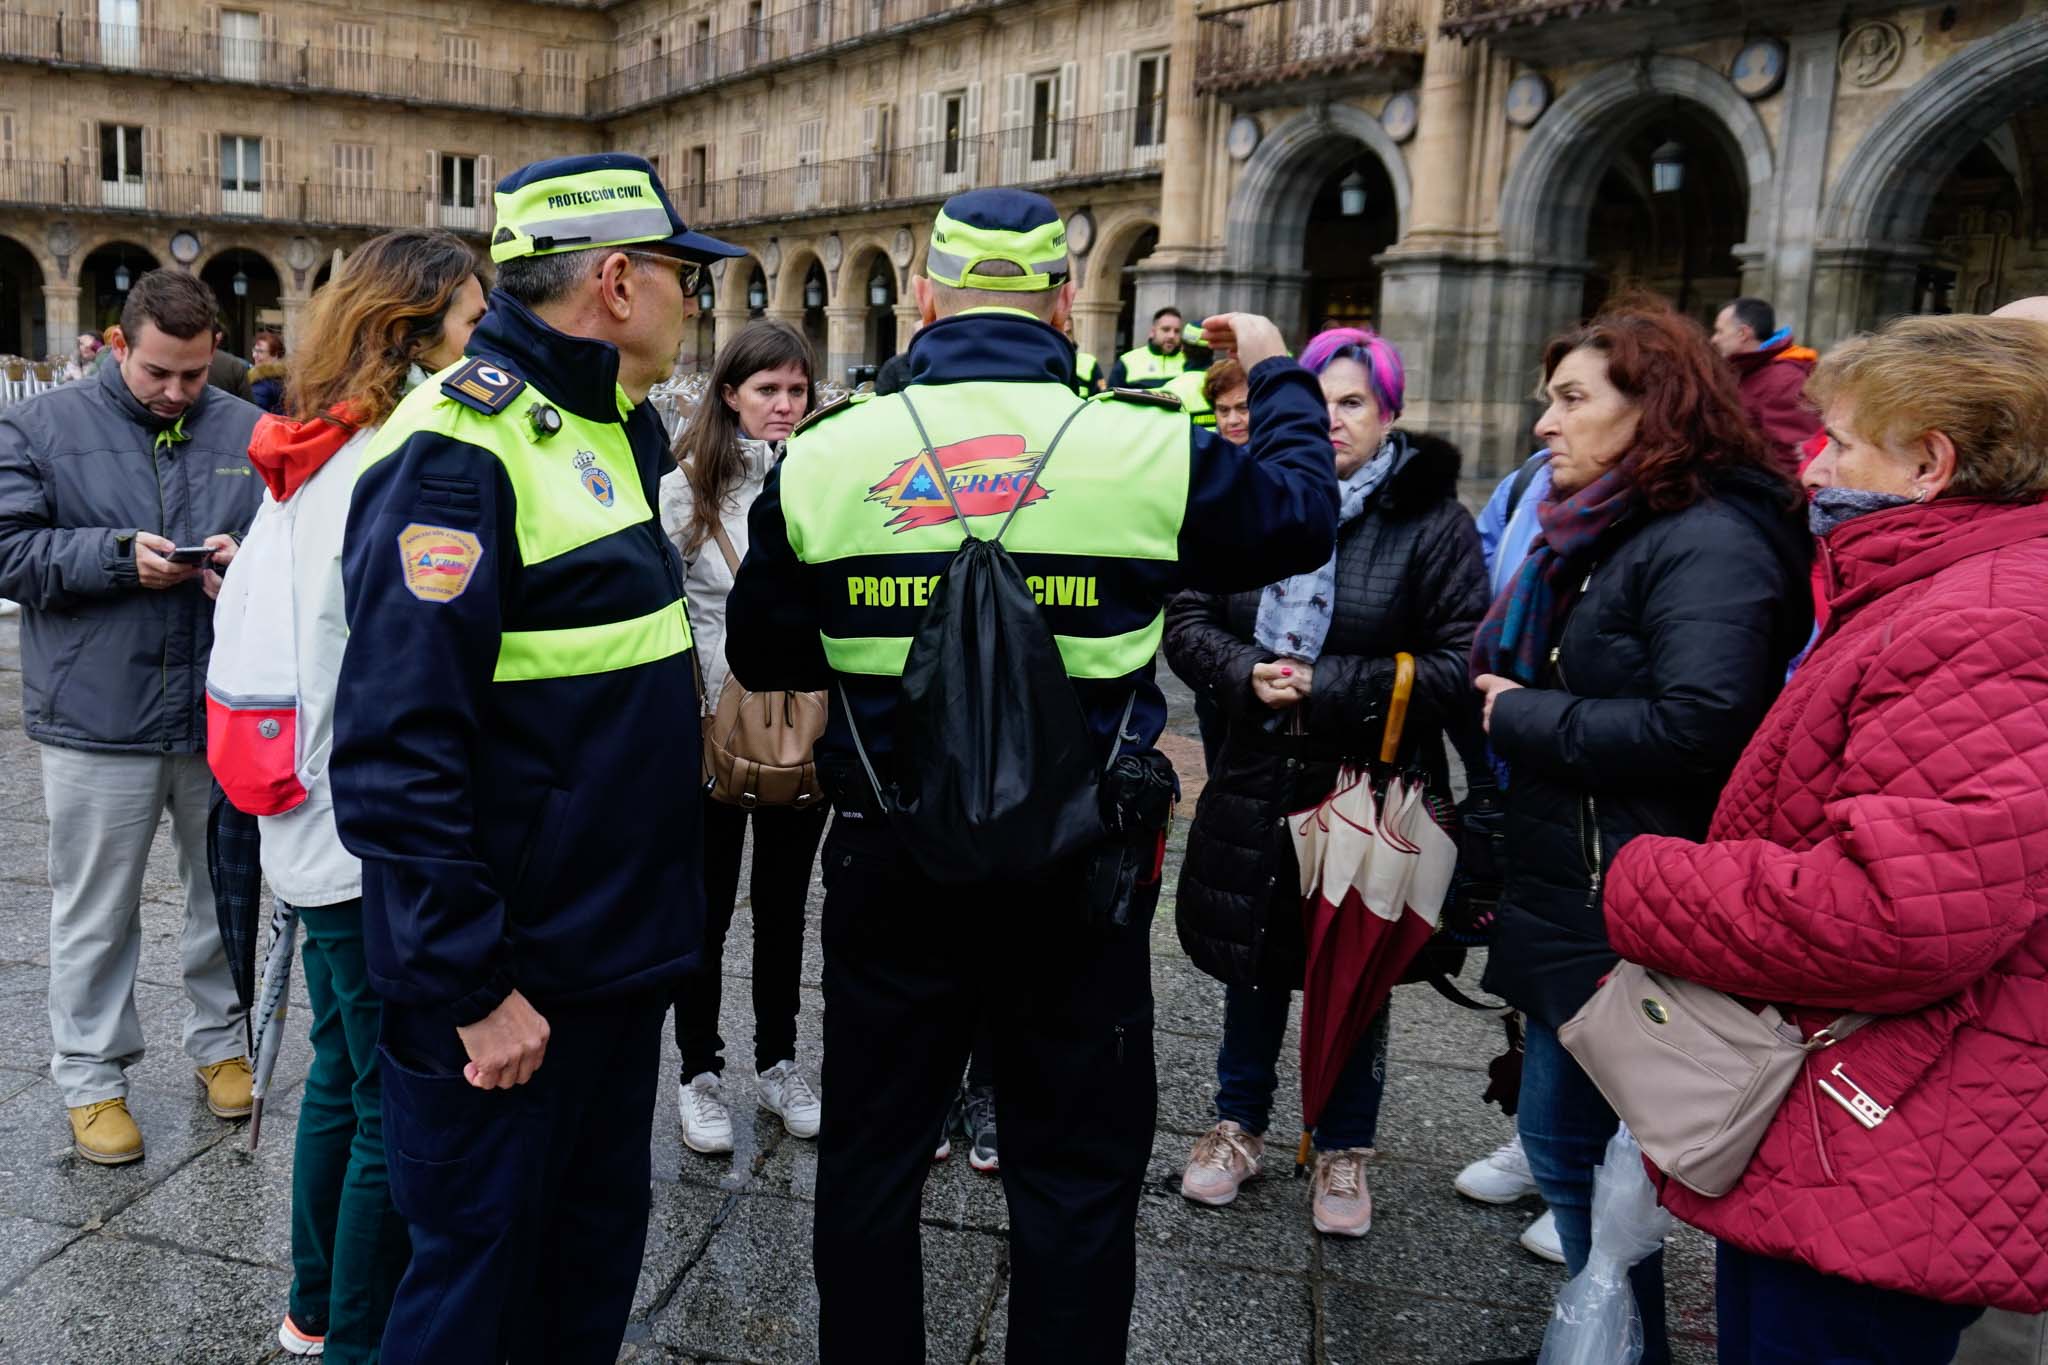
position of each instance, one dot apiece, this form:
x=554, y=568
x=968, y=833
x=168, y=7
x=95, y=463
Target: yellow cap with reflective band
x=1015, y=227
x=575, y=203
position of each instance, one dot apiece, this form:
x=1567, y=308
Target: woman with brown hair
x=402, y=306
x=1623, y=667
x=760, y=389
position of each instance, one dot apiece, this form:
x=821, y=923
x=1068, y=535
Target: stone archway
x=249, y=288
x=866, y=273
x=1870, y=248
x=1548, y=198
x=23, y=327
x=1269, y=212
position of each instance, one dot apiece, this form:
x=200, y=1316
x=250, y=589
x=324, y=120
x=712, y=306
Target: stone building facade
x=1466, y=175
x=1512, y=162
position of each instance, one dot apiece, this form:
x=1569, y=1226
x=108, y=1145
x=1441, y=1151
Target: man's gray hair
x=536, y=281
x=952, y=298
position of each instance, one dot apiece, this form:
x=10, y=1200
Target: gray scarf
x=1834, y=507
x=1294, y=614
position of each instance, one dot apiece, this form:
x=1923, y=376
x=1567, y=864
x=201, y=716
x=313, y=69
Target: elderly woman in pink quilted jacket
x=1883, y=847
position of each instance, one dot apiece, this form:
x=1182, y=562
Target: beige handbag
x=1696, y=1074
x=757, y=745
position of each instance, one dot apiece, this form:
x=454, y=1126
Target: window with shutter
x=355, y=182
x=955, y=132
x=120, y=32
x=749, y=184
x=120, y=159
x=562, y=79
x=1044, y=115
x=241, y=45
x=458, y=192
x=355, y=46
x=241, y=174
x=462, y=68
x=698, y=192
x=1148, y=125
x=810, y=146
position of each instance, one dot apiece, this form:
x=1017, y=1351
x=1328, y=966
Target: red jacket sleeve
x=1776, y=399
x=1935, y=852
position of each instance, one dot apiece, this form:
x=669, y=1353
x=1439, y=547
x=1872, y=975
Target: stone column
x=60, y=317
x=906, y=324
x=1783, y=269
x=1184, y=166
x=1441, y=154
x=726, y=324
x=292, y=306
x=1095, y=331
x=845, y=339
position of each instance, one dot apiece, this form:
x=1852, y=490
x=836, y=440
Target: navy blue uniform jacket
x=540, y=835
x=1255, y=514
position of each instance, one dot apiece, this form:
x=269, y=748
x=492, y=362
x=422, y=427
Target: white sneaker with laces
x=786, y=1093
x=1224, y=1158
x=1501, y=1178
x=707, y=1122
x=1540, y=1238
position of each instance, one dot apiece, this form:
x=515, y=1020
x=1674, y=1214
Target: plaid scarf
x=1526, y=619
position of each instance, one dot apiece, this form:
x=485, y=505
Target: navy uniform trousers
x=527, y=1207
x=911, y=968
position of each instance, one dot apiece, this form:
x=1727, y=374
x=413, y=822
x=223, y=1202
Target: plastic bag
x=1596, y=1321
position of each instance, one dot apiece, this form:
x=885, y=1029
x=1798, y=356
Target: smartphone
x=192, y=554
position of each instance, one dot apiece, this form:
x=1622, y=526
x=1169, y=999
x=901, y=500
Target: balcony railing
x=182, y=54
x=1266, y=43
x=1473, y=18
x=800, y=33
x=1099, y=147
x=55, y=184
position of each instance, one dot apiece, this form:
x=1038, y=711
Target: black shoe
x=981, y=1127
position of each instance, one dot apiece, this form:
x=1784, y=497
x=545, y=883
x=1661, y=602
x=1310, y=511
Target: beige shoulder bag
x=757, y=745
x=1696, y=1074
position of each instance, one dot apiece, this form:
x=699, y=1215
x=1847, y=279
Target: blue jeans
x=1254, y=1027
x=1771, y=1312
x=1565, y=1125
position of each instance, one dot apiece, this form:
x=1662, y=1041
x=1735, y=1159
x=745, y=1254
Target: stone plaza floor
x=184, y=1256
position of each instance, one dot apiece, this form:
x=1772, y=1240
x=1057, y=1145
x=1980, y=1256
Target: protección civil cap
x=981, y=226
x=574, y=203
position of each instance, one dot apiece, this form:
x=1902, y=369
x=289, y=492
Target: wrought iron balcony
x=804, y=32
x=1125, y=143
x=1281, y=49
x=187, y=196
x=1478, y=18
x=70, y=42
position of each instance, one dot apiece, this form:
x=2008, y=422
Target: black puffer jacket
x=1668, y=662
x=1410, y=577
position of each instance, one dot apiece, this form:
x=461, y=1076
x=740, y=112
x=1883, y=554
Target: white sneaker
x=707, y=1123
x=8, y=608
x=1498, y=1179
x=1540, y=1239
x=787, y=1094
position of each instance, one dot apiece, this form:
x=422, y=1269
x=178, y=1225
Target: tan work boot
x=227, y=1087
x=1224, y=1158
x=105, y=1133
x=1342, y=1205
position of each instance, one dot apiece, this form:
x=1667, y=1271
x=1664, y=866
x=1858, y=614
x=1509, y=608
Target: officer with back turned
x=847, y=537
x=516, y=765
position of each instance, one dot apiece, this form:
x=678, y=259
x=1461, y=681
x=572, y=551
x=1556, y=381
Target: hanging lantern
x=121, y=278
x=757, y=294
x=1667, y=169
x=814, y=293
x=240, y=284
x=1351, y=195
x=705, y=297
x=878, y=292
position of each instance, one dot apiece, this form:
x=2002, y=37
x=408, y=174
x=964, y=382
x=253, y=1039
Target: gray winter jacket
x=105, y=663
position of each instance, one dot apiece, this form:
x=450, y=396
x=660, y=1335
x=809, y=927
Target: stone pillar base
x=60, y=318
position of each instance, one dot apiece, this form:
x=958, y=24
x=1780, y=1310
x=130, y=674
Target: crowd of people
x=510, y=680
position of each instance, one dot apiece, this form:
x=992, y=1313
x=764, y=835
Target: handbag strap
x=1834, y=1033
x=732, y=559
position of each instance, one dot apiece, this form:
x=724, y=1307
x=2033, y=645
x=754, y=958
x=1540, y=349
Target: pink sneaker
x=1342, y=1205
x=1224, y=1158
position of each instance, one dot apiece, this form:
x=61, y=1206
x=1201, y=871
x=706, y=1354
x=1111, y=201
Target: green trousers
x=349, y=1246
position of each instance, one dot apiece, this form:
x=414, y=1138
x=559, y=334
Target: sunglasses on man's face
x=689, y=274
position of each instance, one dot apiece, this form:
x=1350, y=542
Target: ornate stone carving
x=1872, y=52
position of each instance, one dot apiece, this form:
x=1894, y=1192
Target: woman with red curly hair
x=1623, y=669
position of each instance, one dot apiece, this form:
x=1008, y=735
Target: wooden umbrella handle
x=1397, y=706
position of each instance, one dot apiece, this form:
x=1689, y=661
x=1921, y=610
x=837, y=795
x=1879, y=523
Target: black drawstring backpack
x=997, y=774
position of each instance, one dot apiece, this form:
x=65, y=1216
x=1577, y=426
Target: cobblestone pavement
x=184, y=1256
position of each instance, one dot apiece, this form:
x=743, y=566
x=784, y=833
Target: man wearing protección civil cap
x=506, y=737
x=1118, y=503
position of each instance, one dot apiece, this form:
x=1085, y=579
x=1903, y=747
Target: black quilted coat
x=1410, y=577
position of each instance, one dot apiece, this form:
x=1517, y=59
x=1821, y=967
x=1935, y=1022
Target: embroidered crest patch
x=438, y=561
x=596, y=481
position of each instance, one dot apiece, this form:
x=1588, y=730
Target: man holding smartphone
x=120, y=500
